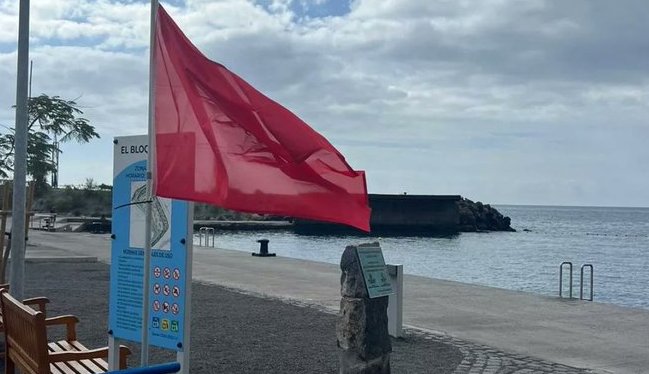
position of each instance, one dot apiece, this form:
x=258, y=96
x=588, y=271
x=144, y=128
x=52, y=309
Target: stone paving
x=480, y=359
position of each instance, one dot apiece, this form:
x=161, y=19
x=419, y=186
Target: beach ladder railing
x=206, y=234
x=561, y=278
x=581, y=282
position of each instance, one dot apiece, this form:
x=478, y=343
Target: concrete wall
x=433, y=212
x=400, y=214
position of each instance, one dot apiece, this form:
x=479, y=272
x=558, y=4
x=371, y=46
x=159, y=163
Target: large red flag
x=220, y=141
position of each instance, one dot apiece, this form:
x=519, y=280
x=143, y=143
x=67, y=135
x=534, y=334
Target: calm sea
x=614, y=240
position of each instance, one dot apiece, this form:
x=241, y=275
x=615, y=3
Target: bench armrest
x=38, y=301
x=69, y=321
x=78, y=355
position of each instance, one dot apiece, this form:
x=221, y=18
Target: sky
x=502, y=101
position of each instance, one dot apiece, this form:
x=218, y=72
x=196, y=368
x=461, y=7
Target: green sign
x=376, y=277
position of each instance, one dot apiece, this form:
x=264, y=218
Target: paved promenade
x=497, y=330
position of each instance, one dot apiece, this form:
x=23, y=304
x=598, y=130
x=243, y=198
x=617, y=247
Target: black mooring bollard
x=263, y=249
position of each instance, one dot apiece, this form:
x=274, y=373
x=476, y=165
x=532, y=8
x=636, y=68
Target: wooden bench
x=37, y=303
x=27, y=346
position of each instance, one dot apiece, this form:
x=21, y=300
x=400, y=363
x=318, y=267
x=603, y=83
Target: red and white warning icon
x=156, y=272
x=156, y=289
x=176, y=274
x=166, y=273
x=156, y=305
x=166, y=290
x=165, y=307
x=174, y=308
x=175, y=291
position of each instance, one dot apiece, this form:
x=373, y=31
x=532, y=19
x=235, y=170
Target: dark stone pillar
x=362, y=328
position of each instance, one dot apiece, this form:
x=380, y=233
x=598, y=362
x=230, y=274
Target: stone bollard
x=362, y=328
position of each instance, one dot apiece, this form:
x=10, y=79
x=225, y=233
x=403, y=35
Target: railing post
x=201, y=232
x=395, y=301
x=210, y=234
x=561, y=278
x=581, y=282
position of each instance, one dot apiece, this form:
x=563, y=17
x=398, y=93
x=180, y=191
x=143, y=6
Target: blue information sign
x=169, y=233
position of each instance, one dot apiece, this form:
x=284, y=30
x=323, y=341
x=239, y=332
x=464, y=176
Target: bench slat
x=55, y=370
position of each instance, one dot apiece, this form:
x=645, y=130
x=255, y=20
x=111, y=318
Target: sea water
x=614, y=240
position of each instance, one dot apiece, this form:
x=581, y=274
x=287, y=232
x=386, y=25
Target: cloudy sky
x=503, y=101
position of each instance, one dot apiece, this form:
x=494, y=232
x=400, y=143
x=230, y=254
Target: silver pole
x=183, y=355
x=17, y=277
x=144, y=358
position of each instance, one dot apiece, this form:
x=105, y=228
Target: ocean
x=614, y=240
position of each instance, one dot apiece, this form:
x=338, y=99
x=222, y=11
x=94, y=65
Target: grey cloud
x=503, y=101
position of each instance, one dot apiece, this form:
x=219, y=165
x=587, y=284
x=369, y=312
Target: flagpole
x=144, y=357
x=17, y=276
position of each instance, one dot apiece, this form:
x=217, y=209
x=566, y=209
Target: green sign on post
x=376, y=277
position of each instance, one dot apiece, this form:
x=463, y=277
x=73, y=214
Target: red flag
x=220, y=141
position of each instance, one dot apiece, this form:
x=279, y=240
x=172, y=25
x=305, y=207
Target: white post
x=395, y=301
x=113, y=353
x=183, y=356
x=144, y=357
x=17, y=277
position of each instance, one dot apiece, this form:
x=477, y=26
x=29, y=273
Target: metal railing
x=581, y=280
x=561, y=278
x=206, y=234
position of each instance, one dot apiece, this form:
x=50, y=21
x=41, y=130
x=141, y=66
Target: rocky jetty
x=476, y=216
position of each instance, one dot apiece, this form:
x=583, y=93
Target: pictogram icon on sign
x=174, y=326
x=156, y=271
x=165, y=307
x=155, y=323
x=156, y=305
x=166, y=290
x=156, y=289
x=166, y=273
x=165, y=325
x=176, y=274
x=174, y=308
x=175, y=291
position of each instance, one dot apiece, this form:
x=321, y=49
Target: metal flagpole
x=20, y=157
x=183, y=356
x=144, y=357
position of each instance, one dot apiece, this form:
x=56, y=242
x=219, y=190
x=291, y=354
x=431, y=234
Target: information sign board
x=376, y=276
x=170, y=231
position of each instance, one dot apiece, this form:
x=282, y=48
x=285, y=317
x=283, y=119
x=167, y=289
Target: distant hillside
x=75, y=201
x=95, y=202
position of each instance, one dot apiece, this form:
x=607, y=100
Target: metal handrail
x=561, y=278
x=207, y=232
x=581, y=282
x=156, y=369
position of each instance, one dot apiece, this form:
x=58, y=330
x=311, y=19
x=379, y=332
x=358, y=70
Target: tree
x=52, y=120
